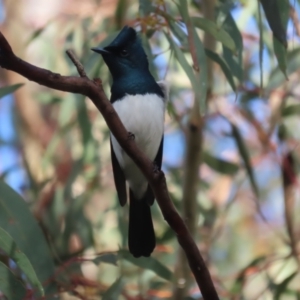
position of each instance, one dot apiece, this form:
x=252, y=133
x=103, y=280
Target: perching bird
x=140, y=103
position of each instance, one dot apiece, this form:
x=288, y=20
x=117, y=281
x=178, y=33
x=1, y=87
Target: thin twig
x=77, y=63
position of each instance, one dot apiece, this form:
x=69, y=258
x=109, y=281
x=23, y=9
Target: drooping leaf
x=114, y=290
x=36, y=33
x=8, y=245
x=234, y=60
x=10, y=286
x=183, y=62
x=291, y=110
x=271, y=10
x=282, y=287
x=237, y=287
x=109, y=258
x=9, y=89
x=281, y=55
x=219, y=165
x=179, y=33
x=245, y=156
x=199, y=77
x=149, y=263
x=217, y=32
x=120, y=13
x=183, y=9
x=219, y=60
x=16, y=219
x=277, y=77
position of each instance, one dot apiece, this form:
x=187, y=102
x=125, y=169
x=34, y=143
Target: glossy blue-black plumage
x=130, y=72
x=128, y=65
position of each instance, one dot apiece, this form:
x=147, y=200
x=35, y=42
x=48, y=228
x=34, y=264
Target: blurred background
x=54, y=148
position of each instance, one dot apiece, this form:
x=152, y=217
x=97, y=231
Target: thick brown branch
x=84, y=86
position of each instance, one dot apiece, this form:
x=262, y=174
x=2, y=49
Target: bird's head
x=125, y=54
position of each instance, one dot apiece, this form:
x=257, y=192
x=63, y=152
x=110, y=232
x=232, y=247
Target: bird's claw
x=131, y=136
x=155, y=168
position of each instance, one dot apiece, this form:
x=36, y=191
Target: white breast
x=144, y=117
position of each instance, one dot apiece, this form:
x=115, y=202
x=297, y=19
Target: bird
x=140, y=103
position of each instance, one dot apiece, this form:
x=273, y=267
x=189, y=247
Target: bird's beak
x=100, y=50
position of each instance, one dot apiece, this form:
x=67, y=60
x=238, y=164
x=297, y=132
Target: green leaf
x=114, y=291
x=10, y=286
x=277, y=77
x=238, y=285
x=36, y=33
x=219, y=60
x=9, y=89
x=149, y=263
x=183, y=62
x=234, y=60
x=183, y=9
x=274, y=19
x=179, y=33
x=246, y=158
x=120, y=13
x=282, y=287
x=8, y=245
x=18, y=222
x=109, y=258
x=281, y=55
x=291, y=110
x=217, y=32
x=220, y=165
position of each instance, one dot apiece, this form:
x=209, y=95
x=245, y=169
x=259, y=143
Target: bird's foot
x=131, y=136
x=156, y=169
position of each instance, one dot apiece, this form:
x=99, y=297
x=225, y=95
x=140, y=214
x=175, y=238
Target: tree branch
x=83, y=85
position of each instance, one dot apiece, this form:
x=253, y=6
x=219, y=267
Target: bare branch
x=156, y=178
x=77, y=63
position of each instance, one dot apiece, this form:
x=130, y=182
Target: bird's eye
x=124, y=52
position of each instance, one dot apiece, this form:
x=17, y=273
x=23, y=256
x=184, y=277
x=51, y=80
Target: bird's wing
x=165, y=87
x=119, y=177
x=158, y=162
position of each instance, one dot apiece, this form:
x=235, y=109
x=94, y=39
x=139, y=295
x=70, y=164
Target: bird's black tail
x=141, y=237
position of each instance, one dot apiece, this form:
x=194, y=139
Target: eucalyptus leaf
x=109, y=258
x=291, y=110
x=8, y=245
x=234, y=60
x=246, y=158
x=272, y=13
x=149, y=263
x=223, y=65
x=10, y=286
x=217, y=32
x=114, y=290
x=219, y=165
x=9, y=89
x=282, y=287
x=18, y=222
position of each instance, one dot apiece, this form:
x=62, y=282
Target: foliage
x=67, y=233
